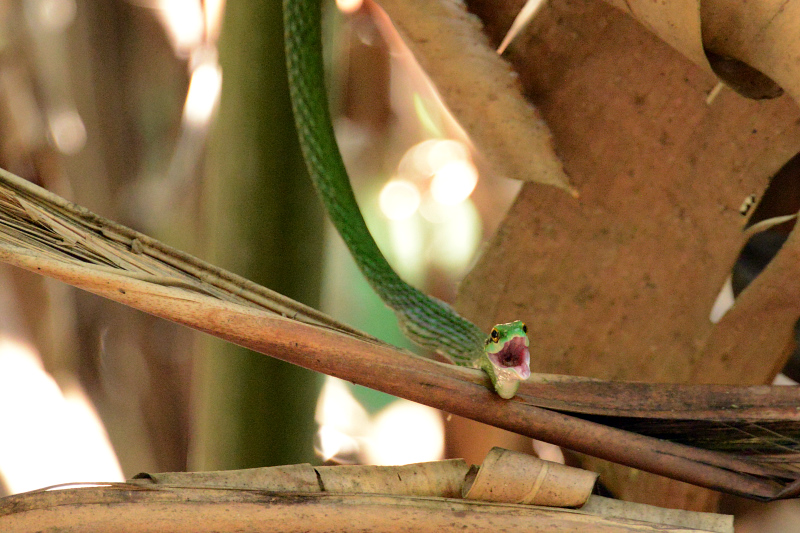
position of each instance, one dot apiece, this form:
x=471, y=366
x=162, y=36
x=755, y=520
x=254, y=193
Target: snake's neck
x=434, y=325
x=427, y=321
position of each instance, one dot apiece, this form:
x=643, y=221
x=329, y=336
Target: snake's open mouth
x=515, y=356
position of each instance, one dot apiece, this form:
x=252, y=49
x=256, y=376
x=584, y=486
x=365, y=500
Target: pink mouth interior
x=516, y=355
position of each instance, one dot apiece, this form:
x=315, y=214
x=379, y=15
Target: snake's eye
x=524, y=328
x=494, y=335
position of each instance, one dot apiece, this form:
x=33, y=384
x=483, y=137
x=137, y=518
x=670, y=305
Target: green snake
x=503, y=354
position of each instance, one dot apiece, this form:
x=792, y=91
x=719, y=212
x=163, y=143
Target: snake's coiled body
x=427, y=321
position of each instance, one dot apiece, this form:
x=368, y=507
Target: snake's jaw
x=514, y=357
x=508, y=364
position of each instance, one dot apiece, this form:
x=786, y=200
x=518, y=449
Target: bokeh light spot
x=454, y=182
x=399, y=199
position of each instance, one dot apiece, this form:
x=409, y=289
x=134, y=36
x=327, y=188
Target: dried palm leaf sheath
x=223, y=501
x=133, y=509
x=513, y=477
x=44, y=233
x=437, y=479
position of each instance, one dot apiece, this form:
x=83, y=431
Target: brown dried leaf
x=675, y=23
x=479, y=88
x=620, y=281
x=743, y=38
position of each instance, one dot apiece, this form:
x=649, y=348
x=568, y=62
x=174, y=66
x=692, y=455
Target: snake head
x=507, y=358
